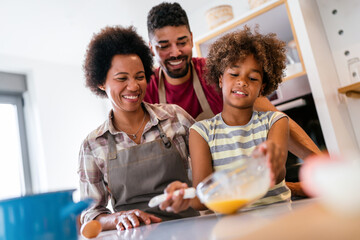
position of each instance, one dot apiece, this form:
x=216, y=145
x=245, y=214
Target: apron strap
x=112, y=147
x=162, y=93
x=207, y=112
x=163, y=136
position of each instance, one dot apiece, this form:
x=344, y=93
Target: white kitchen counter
x=277, y=220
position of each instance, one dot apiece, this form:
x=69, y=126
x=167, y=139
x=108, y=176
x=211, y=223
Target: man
x=180, y=78
x=171, y=42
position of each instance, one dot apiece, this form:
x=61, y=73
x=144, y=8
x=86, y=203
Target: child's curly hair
x=268, y=51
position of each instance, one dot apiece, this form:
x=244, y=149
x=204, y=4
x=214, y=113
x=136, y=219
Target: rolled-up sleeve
x=92, y=183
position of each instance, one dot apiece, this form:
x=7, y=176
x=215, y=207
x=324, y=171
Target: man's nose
x=175, y=51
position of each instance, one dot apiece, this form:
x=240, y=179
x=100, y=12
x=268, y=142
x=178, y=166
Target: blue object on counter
x=45, y=216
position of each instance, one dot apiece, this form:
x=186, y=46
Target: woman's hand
x=174, y=203
x=126, y=219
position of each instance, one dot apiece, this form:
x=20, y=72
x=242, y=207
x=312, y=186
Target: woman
x=140, y=148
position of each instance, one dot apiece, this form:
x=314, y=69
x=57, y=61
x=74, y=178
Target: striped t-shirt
x=228, y=143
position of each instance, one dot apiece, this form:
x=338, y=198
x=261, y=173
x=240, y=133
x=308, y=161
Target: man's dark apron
x=207, y=112
x=138, y=173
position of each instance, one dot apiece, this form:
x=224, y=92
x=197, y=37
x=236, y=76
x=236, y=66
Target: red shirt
x=184, y=94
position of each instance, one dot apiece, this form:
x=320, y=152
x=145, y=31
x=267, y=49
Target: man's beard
x=178, y=73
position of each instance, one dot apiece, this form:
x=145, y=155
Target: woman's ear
x=101, y=87
x=220, y=81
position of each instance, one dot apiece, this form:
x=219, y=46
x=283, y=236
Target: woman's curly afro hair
x=109, y=42
x=268, y=51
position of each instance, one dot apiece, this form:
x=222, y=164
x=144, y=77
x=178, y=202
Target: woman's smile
x=125, y=83
x=132, y=98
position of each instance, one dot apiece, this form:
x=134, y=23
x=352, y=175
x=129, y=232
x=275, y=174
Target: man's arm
x=300, y=144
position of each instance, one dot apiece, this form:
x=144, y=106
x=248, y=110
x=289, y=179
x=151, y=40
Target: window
x=15, y=179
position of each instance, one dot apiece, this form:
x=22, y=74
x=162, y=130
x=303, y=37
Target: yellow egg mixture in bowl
x=228, y=190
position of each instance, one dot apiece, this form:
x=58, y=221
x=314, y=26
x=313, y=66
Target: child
x=243, y=65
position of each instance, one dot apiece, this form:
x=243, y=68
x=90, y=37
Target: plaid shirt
x=92, y=158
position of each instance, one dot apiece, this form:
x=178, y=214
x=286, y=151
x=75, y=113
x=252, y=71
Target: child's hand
x=274, y=159
x=174, y=203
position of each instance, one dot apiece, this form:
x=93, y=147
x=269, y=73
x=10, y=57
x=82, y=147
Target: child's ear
x=262, y=89
x=220, y=81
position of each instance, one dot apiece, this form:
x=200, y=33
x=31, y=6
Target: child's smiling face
x=241, y=83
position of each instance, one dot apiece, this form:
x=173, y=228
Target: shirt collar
x=156, y=111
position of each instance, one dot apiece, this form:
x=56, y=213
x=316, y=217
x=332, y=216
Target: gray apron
x=138, y=173
x=207, y=112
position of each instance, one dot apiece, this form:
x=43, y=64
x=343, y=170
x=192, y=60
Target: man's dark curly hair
x=267, y=50
x=109, y=42
x=166, y=14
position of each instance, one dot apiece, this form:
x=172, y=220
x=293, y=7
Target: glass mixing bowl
x=226, y=191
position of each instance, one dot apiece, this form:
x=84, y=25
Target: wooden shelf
x=352, y=90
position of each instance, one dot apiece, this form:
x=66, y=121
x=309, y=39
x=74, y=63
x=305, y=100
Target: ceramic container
x=256, y=3
x=218, y=15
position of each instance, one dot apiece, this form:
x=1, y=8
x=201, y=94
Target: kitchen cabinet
x=270, y=17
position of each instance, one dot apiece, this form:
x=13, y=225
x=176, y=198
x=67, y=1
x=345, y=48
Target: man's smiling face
x=172, y=48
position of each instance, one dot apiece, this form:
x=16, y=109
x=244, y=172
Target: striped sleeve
x=275, y=117
x=202, y=128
